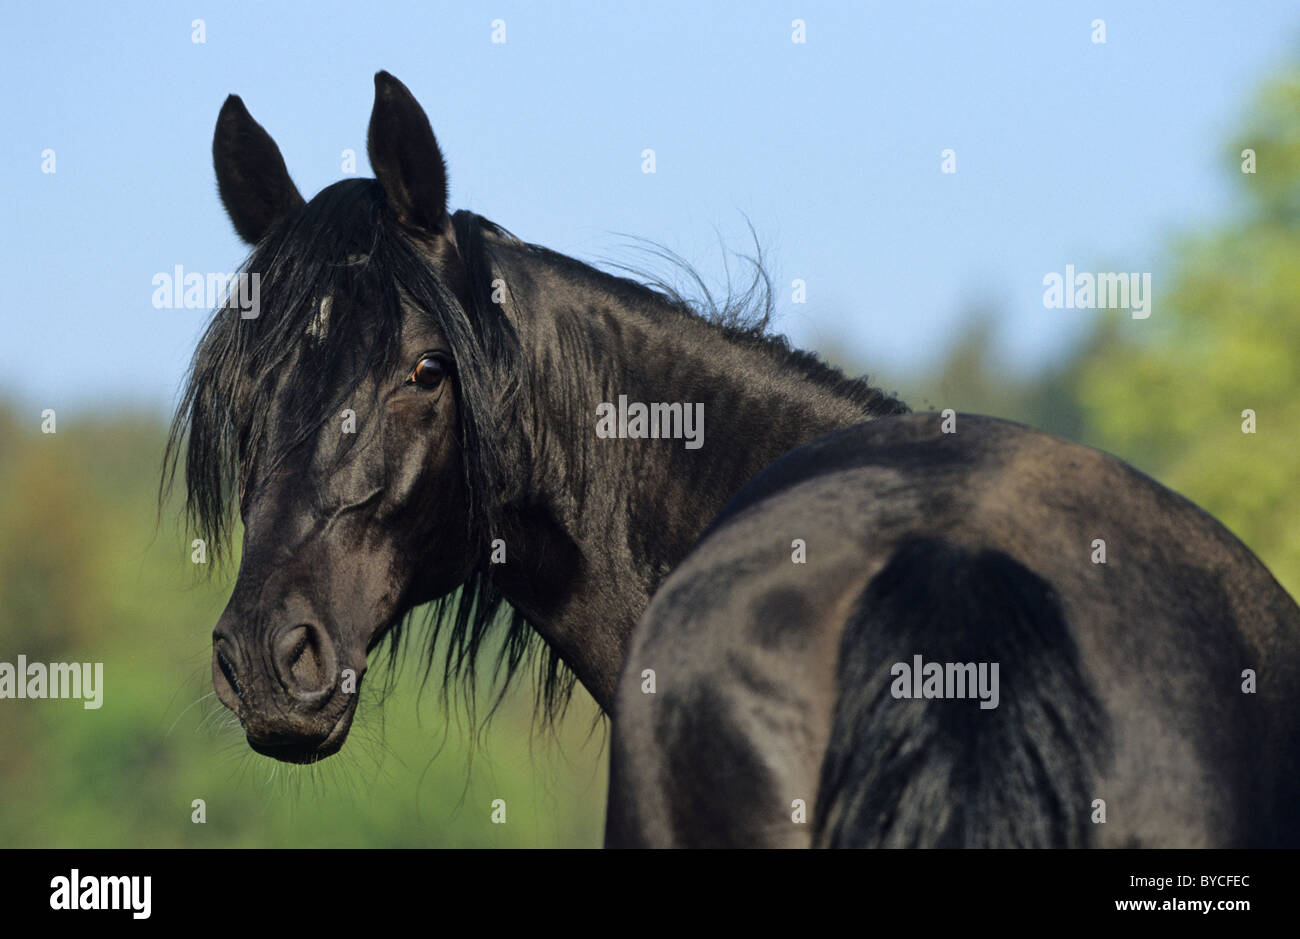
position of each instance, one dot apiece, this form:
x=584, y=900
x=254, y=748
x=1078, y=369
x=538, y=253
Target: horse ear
x=405, y=156
x=251, y=176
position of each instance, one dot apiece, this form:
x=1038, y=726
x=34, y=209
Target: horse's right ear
x=251, y=176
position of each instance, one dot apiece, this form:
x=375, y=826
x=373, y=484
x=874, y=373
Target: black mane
x=251, y=396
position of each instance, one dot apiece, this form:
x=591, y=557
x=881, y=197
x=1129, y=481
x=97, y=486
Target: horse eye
x=429, y=372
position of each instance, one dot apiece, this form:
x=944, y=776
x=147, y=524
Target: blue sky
x=1067, y=153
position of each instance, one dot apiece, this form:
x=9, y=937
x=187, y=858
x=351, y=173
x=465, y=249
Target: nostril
x=225, y=674
x=228, y=671
x=304, y=660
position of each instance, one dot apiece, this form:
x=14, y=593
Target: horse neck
x=602, y=521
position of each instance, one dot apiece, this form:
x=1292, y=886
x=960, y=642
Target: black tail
x=941, y=772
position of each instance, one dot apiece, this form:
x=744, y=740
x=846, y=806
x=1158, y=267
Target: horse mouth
x=303, y=750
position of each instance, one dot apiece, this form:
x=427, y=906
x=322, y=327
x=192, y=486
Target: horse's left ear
x=405, y=157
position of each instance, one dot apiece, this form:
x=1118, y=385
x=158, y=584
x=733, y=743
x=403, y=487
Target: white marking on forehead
x=319, y=324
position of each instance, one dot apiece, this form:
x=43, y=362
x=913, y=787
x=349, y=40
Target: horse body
x=413, y=417
x=1123, y=682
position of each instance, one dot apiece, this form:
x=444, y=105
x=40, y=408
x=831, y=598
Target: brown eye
x=429, y=372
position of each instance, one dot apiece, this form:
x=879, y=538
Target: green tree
x=1168, y=393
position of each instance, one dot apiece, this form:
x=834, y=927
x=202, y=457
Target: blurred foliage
x=86, y=575
x=1167, y=393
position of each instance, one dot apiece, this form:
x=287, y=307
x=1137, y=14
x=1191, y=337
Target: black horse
x=897, y=629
